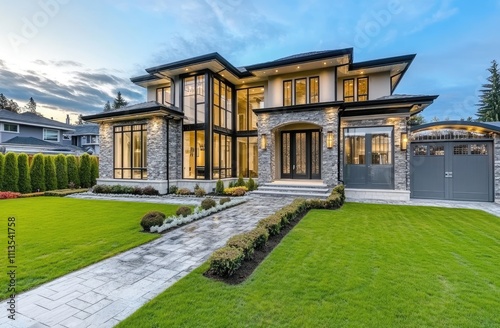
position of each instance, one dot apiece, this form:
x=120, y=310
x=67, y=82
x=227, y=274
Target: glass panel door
x=300, y=155
x=300, y=169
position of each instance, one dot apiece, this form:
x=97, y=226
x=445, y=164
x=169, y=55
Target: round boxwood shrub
x=151, y=219
x=183, y=211
x=208, y=203
x=224, y=200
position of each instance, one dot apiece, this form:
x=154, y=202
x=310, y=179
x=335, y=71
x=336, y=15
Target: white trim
x=37, y=125
x=58, y=135
x=3, y=128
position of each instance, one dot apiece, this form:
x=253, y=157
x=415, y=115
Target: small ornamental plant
x=183, y=211
x=151, y=219
x=208, y=203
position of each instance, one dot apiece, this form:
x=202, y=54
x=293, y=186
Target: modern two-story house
x=313, y=117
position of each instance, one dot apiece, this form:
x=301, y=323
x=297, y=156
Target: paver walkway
x=107, y=292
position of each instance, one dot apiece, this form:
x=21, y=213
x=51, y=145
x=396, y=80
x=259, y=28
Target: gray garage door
x=457, y=170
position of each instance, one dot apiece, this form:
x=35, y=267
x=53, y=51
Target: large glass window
x=222, y=110
x=300, y=91
x=375, y=143
x=221, y=156
x=51, y=135
x=248, y=100
x=349, y=90
x=194, y=99
x=247, y=157
x=164, y=95
x=10, y=127
x=287, y=93
x=194, y=155
x=313, y=90
x=130, y=152
x=363, y=89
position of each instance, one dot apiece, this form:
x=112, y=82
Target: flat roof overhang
x=298, y=108
x=459, y=125
x=399, y=105
x=134, y=114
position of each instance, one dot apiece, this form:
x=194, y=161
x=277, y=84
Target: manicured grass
x=361, y=266
x=55, y=236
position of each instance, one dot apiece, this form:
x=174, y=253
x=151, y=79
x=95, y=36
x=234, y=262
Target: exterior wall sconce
x=404, y=141
x=329, y=139
x=263, y=142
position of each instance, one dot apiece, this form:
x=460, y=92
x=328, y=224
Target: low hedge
x=120, y=190
x=236, y=191
x=225, y=261
x=9, y=195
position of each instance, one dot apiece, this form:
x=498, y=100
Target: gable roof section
x=86, y=129
x=31, y=141
x=146, y=109
x=33, y=120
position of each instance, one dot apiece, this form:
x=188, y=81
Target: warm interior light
x=187, y=69
x=263, y=142
x=329, y=139
x=404, y=141
x=276, y=71
x=298, y=66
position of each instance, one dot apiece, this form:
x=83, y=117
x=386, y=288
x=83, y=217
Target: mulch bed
x=259, y=255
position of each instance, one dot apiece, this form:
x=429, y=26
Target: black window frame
x=143, y=169
x=163, y=102
x=352, y=99
x=358, y=95
x=309, y=89
x=291, y=92
x=295, y=90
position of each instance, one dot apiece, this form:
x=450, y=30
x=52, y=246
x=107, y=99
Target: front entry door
x=300, y=155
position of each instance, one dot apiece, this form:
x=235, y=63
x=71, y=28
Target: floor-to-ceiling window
x=247, y=153
x=194, y=155
x=130, y=151
x=246, y=125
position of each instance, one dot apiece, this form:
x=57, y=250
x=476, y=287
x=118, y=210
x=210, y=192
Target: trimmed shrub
x=224, y=200
x=244, y=242
x=101, y=189
x=50, y=173
x=32, y=194
x=9, y=195
x=232, y=184
x=225, y=261
x=183, y=191
x=151, y=219
x=208, y=203
x=251, y=184
x=272, y=223
x=150, y=191
x=235, y=191
x=10, y=181
x=10, y=173
x=219, y=187
x=172, y=190
x=200, y=192
x=94, y=170
x=37, y=173
x=73, y=175
x=335, y=200
x=85, y=171
x=2, y=161
x=259, y=235
x=183, y=211
x=240, y=182
x=61, y=171
x=24, y=174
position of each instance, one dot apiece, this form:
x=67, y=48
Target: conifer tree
x=10, y=173
x=24, y=174
x=37, y=173
x=489, y=100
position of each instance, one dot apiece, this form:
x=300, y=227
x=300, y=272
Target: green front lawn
x=55, y=236
x=361, y=266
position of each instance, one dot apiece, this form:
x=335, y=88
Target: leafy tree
x=85, y=171
x=31, y=106
x=107, y=107
x=489, y=100
x=10, y=173
x=61, y=171
x=37, y=173
x=119, y=102
x=50, y=173
x=73, y=174
x=417, y=119
x=24, y=174
x=10, y=105
x=13, y=106
x=2, y=161
x=94, y=170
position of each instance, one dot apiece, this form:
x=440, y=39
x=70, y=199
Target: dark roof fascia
x=297, y=108
x=119, y=113
x=379, y=102
x=450, y=124
x=199, y=60
x=377, y=111
x=382, y=62
x=301, y=59
x=144, y=78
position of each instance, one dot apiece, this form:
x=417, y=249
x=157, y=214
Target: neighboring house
x=313, y=117
x=30, y=133
x=85, y=136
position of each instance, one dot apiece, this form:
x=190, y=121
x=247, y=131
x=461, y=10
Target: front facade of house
x=317, y=116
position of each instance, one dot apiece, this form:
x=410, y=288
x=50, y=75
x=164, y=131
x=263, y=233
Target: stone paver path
x=107, y=292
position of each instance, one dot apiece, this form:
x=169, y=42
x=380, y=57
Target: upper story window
x=223, y=105
x=6, y=127
x=248, y=100
x=51, y=135
x=301, y=91
x=164, y=95
x=194, y=99
x=361, y=90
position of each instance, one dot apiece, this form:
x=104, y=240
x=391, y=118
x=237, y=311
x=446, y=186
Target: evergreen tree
x=94, y=170
x=80, y=120
x=2, y=161
x=31, y=106
x=119, y=102
x=4, y=102
x=417, y=119
x=85, y=171
x=10, y=173
x=61, y=171
x=37, y=173
x=107, y=106
x=73, y=174
x=489, y=100
x=50, y=173
x=13, y=106
x=24, y=174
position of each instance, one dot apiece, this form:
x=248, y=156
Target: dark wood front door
x=300, y=155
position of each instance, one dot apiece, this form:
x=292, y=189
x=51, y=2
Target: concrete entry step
x=295, y=188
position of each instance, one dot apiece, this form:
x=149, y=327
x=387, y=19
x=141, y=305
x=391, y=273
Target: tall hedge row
x=46, y=172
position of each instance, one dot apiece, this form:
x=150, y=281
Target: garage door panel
x=428, y=177
x=471, y=177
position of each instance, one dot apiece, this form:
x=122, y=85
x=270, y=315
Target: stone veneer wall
x=157, y=148
x=270, y=124
x=106, y=153
x=175, y=149
x=401, y=158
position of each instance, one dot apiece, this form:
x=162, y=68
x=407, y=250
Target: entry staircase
x=295, y=188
